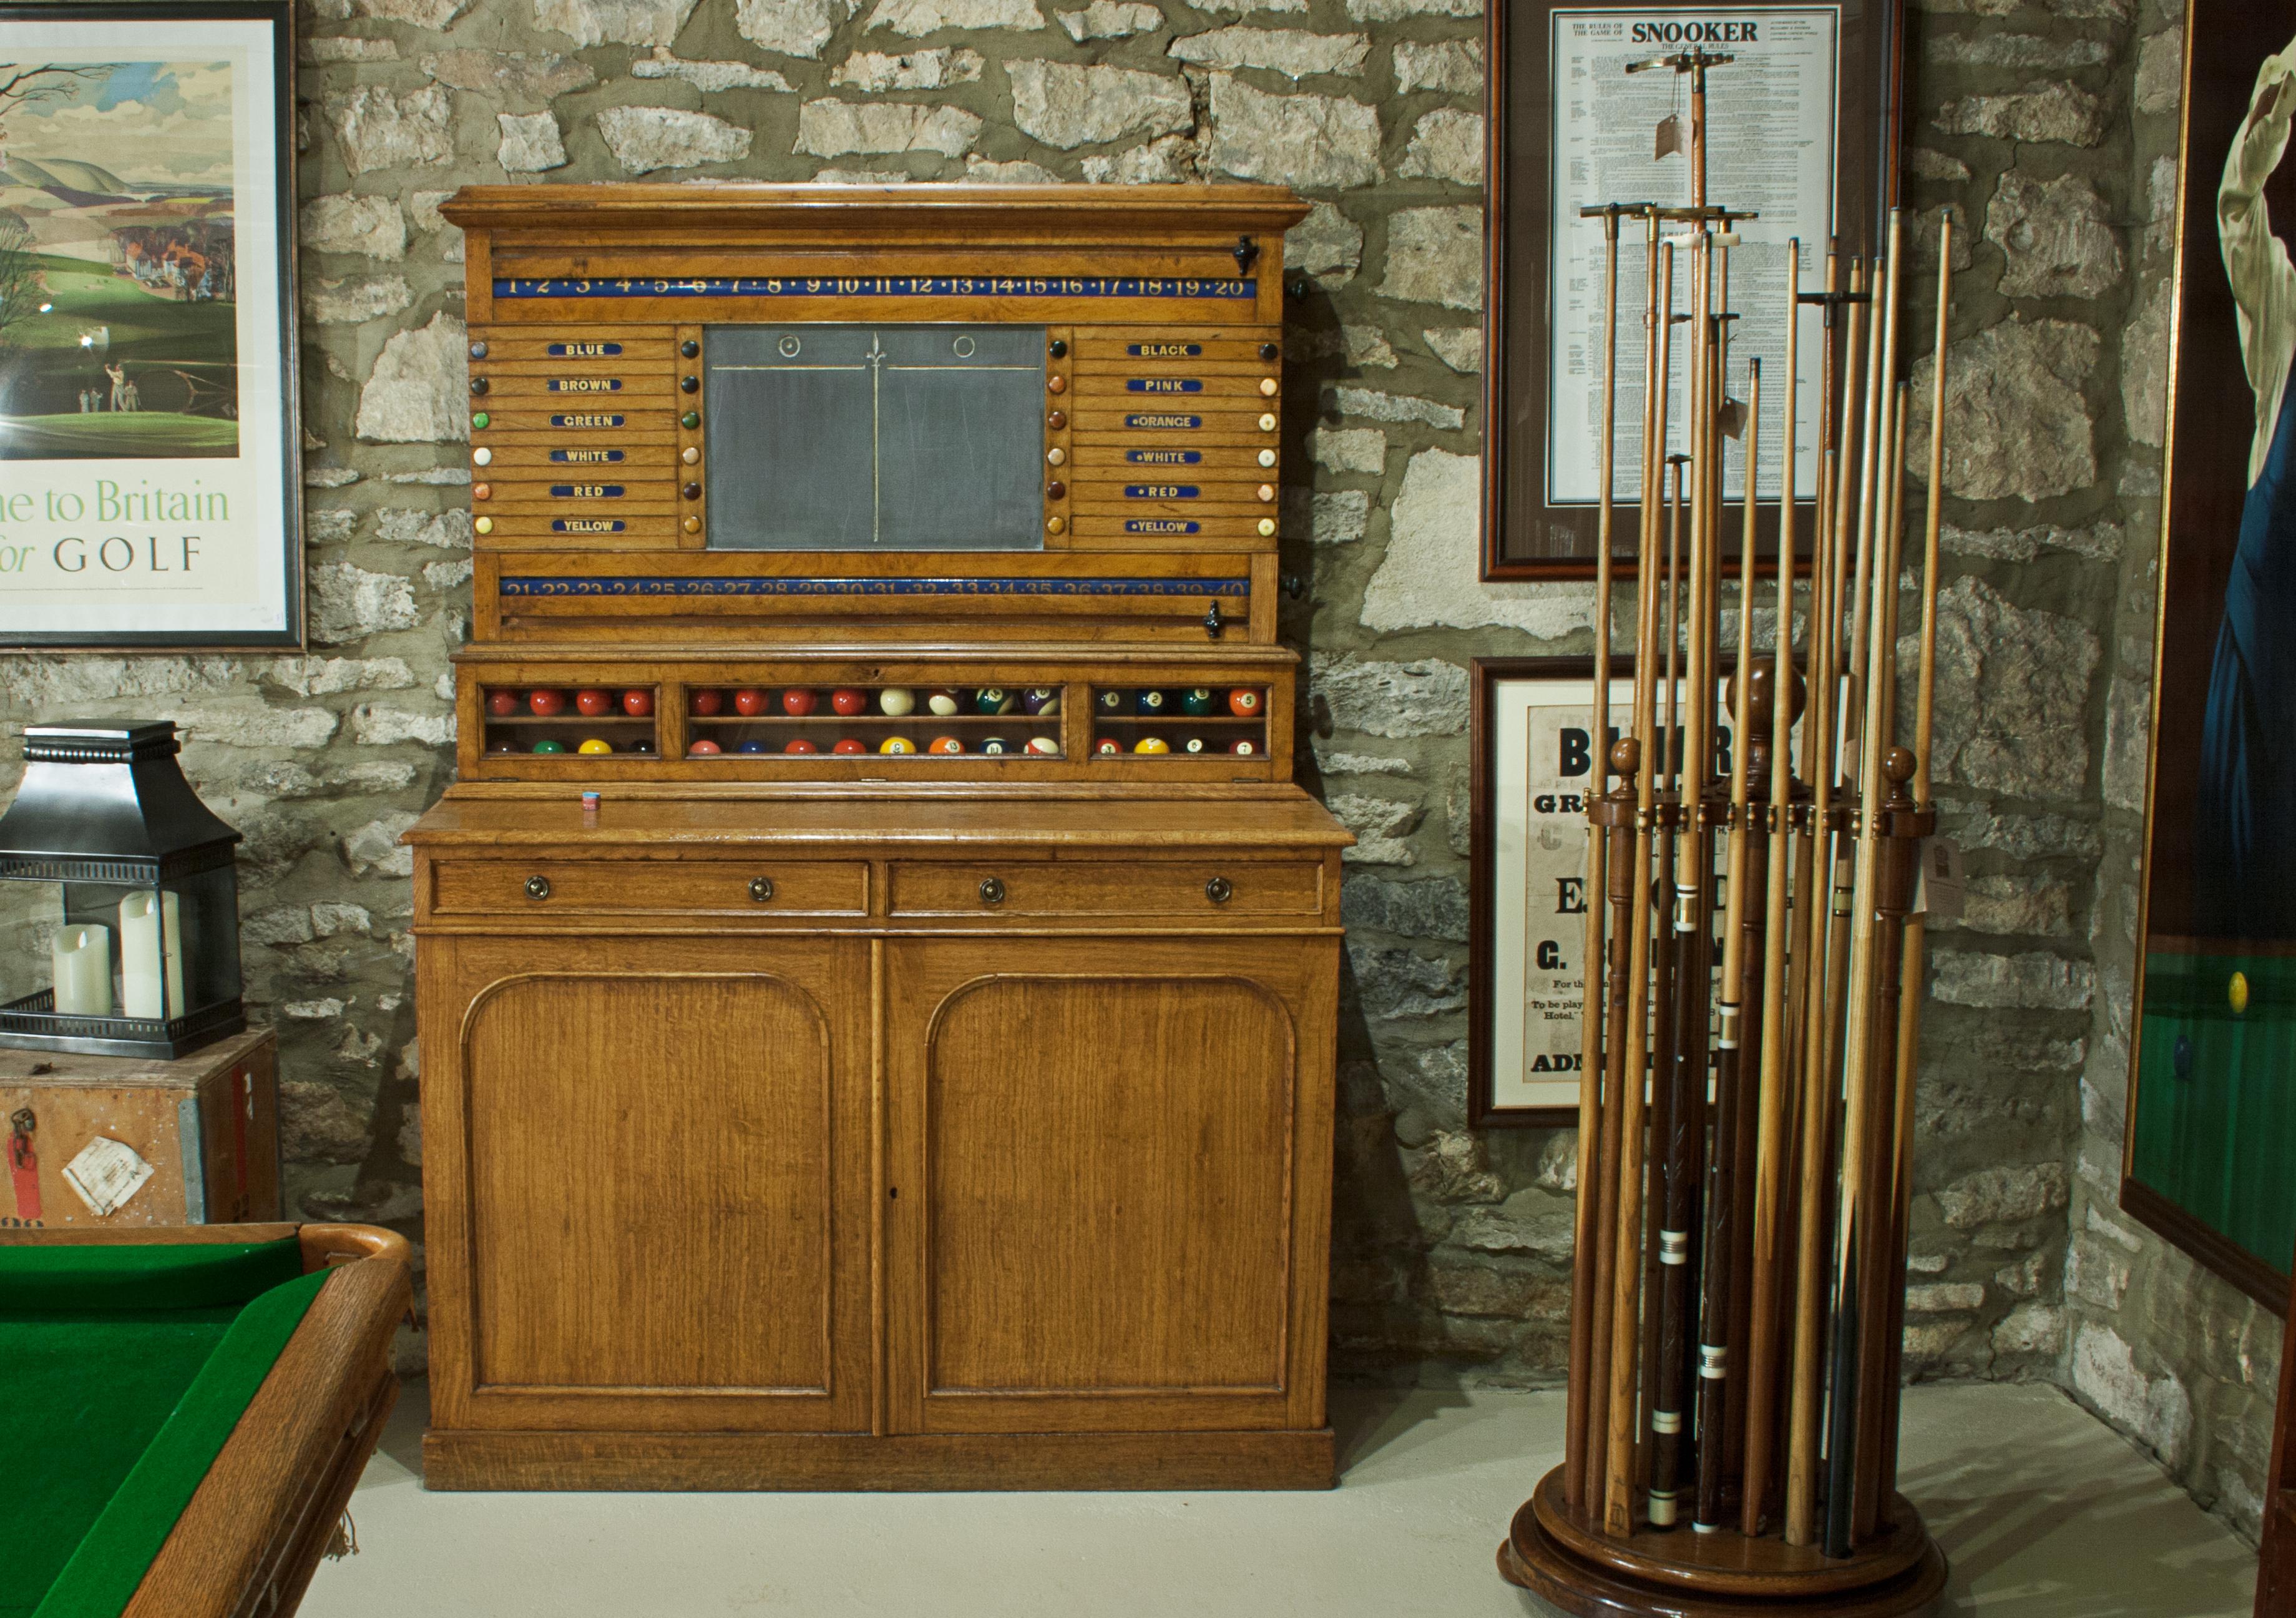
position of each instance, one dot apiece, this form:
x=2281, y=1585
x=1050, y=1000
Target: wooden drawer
x=1111, y=888
x=541, y=887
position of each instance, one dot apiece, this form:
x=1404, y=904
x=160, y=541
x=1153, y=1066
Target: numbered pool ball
x=637, y=703
x=1151, y=744
x=850, y=745
x=702, y=750
x=1196, y=703
x=752, y=745
x=1107, y=746
x=1244, y=701
x=896, y=700
x=1149, y=704
x=848, y=701
x=1043, y=700
x=996, y=745
x=547, y=745
x=591, y=704
x=1110, y=701
x=800, y=744
x=798, y=702
x=945, y=744
x=502, y=703
x=546, y=702
x=897, y=744
x=707, y=703
x=595, y=744
x=1244, y=747
x=748, y=701
x=1193, y=744
x=995, y=699
x=1044, y=747
x=942, y=699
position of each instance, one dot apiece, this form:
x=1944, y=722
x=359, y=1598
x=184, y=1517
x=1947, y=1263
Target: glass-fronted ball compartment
x=1179, y=722
x=576, y=720
x=934, y=721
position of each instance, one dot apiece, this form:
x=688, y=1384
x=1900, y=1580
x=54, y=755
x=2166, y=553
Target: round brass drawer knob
x=1056, y=525
x=1056, y=384
x=761, y=889
x=1268, y=386
x=992, y=890
x=537, y=887
x=485, y=525
x=1219, y=890
x=692, y=525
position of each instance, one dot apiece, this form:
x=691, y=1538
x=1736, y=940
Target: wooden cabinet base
x=1682, y=1574
x=468, y=1459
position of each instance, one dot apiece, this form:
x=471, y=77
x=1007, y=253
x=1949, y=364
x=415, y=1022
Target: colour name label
x=1162, y=384
x=1159, y=491
x=587, y=421
x=649, y=585
x=877, y=286
x=585, y=491
x=585, y=385
x=564, y=456
x=1158, y=525
x=1164, y=351
x=585, y=351
x=1163, y=421
x=1163, y=457
x=586, y=525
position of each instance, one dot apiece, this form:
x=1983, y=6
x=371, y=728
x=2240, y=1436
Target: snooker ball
x=595, y=744
x=1110, y=701
x=848, y=701
x=800, y=744
x=798, y=702
x=942, y=699
x=897, y=744
x=1150, y=702
x=752, y=745
x=1108, y=745
x=547, y=745
x=1193, y=744
x=1244, y=701
x=640, y=745
x=1151, y=744
x=546, y=702
x=2237, y=991
x=995, y=699
x=502, y=703
x=850, y=745
x=1044, y=747
x=748, y=701
x=1041, y=700
x=945, y=744
x=1244, y=747
x=637, y=703
x=504, y=747
x=707, y=703
x=896, y=700
x=702, y=749
x=996, y=746
x=593, y=702
x=1197, y=703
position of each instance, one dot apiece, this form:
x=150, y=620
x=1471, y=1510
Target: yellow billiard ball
x=897, y=744
x=2237, y=991
x=1151, y=744
x=596, y=745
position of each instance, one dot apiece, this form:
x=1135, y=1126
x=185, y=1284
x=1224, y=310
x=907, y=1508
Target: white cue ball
x=896, y=700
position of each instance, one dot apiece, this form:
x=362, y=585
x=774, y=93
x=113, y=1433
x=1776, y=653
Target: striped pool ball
x=945, y=744
x=996, y=746
x=897, y=744
x=995, y=699
x=1044, y=747
x=943, y=700
x=1151, y=744
x=1041, y=700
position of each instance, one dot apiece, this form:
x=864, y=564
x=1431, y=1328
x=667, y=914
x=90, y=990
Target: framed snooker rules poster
x=2211, y=1124
x=149, y=440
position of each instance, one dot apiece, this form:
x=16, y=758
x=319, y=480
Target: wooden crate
x=207, y=1126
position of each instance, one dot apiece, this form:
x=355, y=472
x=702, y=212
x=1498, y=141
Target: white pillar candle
x=82, y=958
x=151, y=956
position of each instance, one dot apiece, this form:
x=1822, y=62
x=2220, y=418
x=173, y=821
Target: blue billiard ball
x=1151, y=703
x=996, y=744
x=752, y=746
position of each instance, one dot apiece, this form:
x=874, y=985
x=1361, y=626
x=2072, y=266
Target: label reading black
x=1164, y=351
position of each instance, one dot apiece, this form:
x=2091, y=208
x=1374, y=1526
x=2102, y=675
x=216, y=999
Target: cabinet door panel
x=1106, y=1226
x=665, y=1176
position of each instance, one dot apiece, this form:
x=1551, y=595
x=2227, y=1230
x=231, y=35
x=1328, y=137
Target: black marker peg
x=689, y=384
x=478, y=384
x=691, y=491
x=689, y=348
x=1269, y=352
x=1246, y=253
x=1059, y=349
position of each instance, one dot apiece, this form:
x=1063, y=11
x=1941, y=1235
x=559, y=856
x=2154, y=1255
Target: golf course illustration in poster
x=149, y=484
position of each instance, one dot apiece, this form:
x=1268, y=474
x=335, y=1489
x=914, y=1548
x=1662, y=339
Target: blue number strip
x=523, y=586
x=877, y=286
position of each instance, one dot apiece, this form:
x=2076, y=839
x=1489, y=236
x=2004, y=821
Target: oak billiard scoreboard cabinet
x=877, y=974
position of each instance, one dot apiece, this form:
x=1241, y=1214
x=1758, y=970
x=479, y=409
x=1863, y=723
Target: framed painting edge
x=293, y=635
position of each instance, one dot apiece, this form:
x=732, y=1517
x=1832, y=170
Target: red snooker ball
x=592, y=703
x=702, y=750
x=748, y=701
x=637, y=703
x=1244, y=702
x=707, y=703
x=798, y=701
x=501, y=703
x=800, y=744
x=848, y=701
x=850, y=745
x=546, y=702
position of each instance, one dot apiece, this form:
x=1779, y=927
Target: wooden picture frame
x=1525, y=533
x=2212, y=1026
x=151, y=483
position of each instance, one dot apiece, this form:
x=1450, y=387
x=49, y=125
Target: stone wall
x=2039, y=126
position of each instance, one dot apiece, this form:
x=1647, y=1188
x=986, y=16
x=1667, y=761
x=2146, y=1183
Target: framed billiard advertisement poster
x=1800, y=120
x=149, y=437
x=2211, y=1118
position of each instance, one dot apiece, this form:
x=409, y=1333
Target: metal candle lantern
x=146, y=961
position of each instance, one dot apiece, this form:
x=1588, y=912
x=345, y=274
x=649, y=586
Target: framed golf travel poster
x=149, y=449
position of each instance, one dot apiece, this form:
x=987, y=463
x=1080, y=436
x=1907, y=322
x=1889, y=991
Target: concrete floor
x=2044, y=1512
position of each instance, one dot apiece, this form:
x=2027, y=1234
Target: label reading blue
x=1163, y=421
x=1162, y=384
x=587, y=525
x=1158, y=525
x=585, y=457
x=585, y=491
x=1164, y=351
x=587, y=421
x=585, y=385
x=1163, y=457
x=584, y=350
x=1159, y=491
